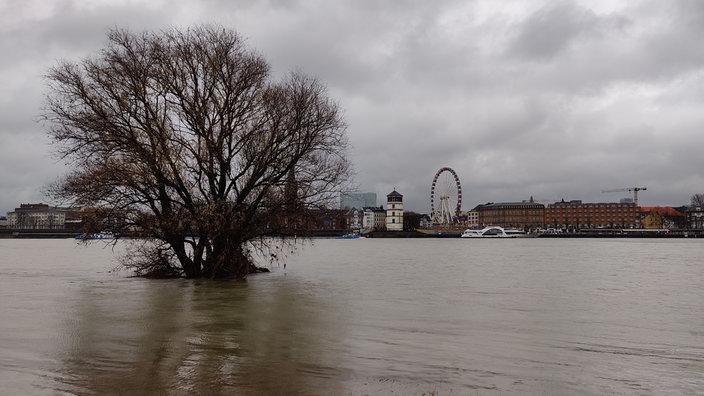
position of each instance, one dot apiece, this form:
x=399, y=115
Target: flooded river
x=366, y=316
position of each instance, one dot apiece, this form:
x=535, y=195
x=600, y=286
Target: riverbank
x=414, y=234
x=625, y=233
x=36, y=234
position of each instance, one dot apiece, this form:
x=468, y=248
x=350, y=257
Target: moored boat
x=98, y=236
x=471, y=233
x=493, y=232
x=514, y=233
x=350, y=236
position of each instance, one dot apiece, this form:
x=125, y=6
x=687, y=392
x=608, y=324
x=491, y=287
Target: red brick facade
x=521, y=215
x=575, y=214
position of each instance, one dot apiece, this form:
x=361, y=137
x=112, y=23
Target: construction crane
x=634, y=189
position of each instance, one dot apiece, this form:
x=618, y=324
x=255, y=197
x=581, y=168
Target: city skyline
x=546, y=99
x=362, y=200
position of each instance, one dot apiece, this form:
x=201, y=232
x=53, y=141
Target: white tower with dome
x=394, y=211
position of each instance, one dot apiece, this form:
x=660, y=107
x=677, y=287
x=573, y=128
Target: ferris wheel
x=447, y=191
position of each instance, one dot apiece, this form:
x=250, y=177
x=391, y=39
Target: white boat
x=492, y=232
x=514, y=233
x=471, y=233
x=98, y=236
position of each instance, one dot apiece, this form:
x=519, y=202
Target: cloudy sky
x=550, y=99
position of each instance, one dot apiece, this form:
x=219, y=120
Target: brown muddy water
x=362, y=317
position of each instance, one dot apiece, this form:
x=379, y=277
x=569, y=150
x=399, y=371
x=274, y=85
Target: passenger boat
x=514, y=233
x=492, y=232
x=471, y=233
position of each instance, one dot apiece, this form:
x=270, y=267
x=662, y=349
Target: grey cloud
x=551, y=99
x=552, y=30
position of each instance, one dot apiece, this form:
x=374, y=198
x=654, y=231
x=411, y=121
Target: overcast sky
x=550, y=99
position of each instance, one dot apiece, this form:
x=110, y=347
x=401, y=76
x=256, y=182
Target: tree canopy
x=186, y=133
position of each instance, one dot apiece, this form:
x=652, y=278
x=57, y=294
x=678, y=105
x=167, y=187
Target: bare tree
x=185, y=132
x=697, y=200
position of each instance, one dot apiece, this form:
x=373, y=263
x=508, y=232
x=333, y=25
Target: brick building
x=524, y=215
x=574, y=215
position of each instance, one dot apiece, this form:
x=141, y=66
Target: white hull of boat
x=493, y=232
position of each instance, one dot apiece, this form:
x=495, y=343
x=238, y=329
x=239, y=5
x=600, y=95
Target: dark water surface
x=355, y=317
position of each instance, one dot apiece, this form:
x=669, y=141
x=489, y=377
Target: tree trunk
x=227, y=260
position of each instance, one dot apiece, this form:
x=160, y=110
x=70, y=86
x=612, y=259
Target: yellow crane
x=634, y=189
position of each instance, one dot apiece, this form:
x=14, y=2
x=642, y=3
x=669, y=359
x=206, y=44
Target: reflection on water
x=362, y=316
x=195, y=337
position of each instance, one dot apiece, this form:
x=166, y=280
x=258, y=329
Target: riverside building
x=43, y=217
x=523, y=215
x=394, y=211
x=374, y=218
x=695, y=217
x=574, y=215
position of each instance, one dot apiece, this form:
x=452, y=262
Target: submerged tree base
x=159, y=273
x=154, y=259
x=168, y=273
